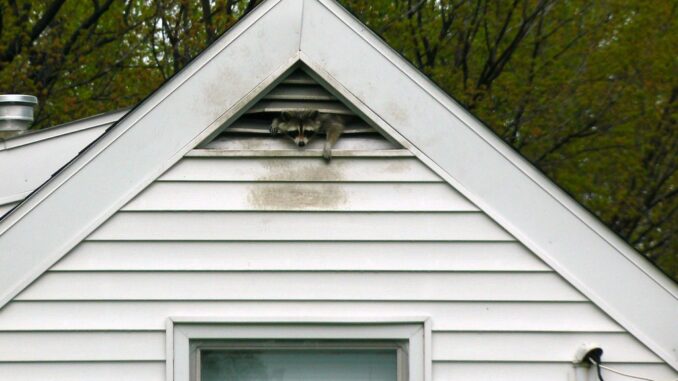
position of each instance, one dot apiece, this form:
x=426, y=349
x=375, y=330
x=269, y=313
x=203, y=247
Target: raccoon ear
x=313, y=114
x=285, y=116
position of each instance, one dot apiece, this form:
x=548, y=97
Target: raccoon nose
x=301, y=143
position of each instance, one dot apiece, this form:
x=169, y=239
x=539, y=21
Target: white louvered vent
x=297, y=92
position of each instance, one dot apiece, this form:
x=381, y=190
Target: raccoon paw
x=327, y=154
x=274, y=127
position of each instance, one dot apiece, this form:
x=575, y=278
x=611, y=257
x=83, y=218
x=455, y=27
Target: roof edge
x=35, y=136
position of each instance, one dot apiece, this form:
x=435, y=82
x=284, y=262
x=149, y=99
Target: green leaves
x=586, y=90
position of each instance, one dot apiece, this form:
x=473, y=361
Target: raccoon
x=302, y=126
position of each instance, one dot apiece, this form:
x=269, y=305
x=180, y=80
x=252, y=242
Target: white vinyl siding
x=377, y=236
x=75, y=371
x=298, y=226
x=295, y=285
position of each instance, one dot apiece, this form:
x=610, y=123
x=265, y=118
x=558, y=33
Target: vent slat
x=279, y=106
x=300, y=93
x=299, y=78
x=258, y=126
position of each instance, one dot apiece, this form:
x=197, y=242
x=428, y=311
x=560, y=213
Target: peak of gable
x=297, y=92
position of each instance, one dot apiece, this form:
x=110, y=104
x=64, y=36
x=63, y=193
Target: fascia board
x=493, y=176
x=209, y=92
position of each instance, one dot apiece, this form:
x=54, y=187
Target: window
x=299, y=360
x=285, y=350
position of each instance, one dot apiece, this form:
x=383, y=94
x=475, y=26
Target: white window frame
x=184, y=332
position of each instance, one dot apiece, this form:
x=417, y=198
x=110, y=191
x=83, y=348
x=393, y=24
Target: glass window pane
x=298, y=365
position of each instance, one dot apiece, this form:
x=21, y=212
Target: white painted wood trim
x=349, y=319
x=416, y=330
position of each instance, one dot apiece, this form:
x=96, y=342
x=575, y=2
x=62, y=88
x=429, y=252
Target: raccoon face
x=300, y=126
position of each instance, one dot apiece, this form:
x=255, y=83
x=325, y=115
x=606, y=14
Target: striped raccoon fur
x=302, y=126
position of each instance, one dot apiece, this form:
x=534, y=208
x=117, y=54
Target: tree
x=585, y=90
x=81, y=58
x=78, y=58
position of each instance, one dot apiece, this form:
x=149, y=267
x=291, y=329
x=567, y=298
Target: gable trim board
x=216, y=88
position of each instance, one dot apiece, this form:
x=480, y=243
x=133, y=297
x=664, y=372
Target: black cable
x=594, y=356
x=600, y=376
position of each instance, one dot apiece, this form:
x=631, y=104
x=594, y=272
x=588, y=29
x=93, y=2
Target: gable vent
x=297, y=92
x=300, y=92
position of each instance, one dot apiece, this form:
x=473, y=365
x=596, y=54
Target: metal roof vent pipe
x=16, y=114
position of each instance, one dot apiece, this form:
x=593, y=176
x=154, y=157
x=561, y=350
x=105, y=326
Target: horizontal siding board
x=299, y=286
x=343, y=169
x=489, y=371
x=522, y=346
x=292, y=226
x=502, y=372
x=307, y=256
x=78, y=371
x=82, y=346
x=210, y=196
x=445, y=316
